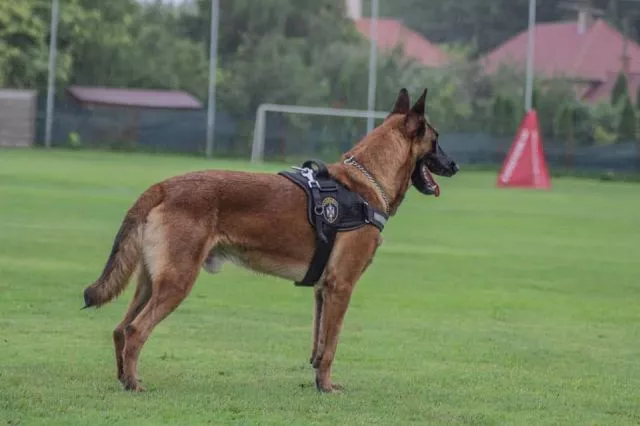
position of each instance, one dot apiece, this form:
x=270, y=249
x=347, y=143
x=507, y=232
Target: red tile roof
x=561, y=50
x=391, y=32
x=602, y=91
x=141, y=98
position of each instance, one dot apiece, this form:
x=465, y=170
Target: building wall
x=354, y=9
x=17, y=117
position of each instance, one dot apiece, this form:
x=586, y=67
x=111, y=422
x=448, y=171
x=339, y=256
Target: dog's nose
x=454, y=167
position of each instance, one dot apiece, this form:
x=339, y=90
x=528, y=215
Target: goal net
x=292, y=132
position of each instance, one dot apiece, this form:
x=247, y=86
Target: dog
x=258, y=221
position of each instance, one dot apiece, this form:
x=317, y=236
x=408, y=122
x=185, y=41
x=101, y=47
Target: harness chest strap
x=331, y=208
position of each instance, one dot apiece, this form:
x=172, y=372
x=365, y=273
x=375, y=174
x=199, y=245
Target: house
x=90, y=96
x=587, y=51
x=127, y=116
x=391, y=33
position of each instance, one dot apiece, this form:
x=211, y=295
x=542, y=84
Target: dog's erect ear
x=402, y=103
x=418, y=107
x=415, y=123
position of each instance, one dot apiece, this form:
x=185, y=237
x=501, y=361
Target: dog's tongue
x=430, y=181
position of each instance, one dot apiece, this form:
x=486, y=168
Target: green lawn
x=484, y=306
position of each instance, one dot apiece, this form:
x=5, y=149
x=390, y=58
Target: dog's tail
x=125, y=253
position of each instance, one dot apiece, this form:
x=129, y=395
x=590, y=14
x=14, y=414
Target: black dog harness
x=331, y=208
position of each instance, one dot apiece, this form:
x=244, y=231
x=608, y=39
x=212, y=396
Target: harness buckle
x=365, y=207
x=308, y=174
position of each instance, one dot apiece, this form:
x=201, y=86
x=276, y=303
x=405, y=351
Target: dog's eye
x=432, y=139
x=433, y=146
x=422, y=131
x=433, y=133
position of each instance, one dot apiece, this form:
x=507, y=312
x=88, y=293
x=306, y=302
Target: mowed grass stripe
x=484, y=306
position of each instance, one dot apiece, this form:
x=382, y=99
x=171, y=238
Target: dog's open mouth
x=430, y=181
x=424, y=181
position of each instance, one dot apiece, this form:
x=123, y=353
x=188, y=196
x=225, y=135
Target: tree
x=24, y=35
x=119, y=43
x=482, y=24
x=565, y=125
x=104, y=55
x=162, y=58
x=552, y=95
x=535, y=97
x=503, y=120
x=308, y=52
x=619, y=90
x=498, y=114
x=273, y=50
x=270, y=69
x=23, y=51
x=318, y=22
x=627, y=126
x=134, y=45
x=487, y=24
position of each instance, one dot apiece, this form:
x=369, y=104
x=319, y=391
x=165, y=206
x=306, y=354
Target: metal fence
x=185, y=132
x=311, y=53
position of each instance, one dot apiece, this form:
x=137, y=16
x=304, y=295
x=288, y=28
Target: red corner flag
x=525, y=165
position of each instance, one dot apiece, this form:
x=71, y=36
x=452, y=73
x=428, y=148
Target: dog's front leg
x=337, y=294
x=317, y=318
x=352, y=252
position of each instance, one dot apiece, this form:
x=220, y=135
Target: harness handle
x=319, y=168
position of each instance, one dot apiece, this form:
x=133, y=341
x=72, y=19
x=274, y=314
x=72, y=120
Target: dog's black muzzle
x=437, y=162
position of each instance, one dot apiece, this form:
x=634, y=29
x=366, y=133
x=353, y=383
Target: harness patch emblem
x=330, y=209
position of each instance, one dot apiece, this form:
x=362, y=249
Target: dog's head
x=426, y=151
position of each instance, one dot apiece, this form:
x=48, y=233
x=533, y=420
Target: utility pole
x=615, y=11
x=625, y=46
x=528, y=94
x=213, y=69
x=51, y=77
x=373, y=61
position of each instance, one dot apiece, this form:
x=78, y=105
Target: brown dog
x=257, y=220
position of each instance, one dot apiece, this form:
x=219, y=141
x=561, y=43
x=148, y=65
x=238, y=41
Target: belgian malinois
x=257, y=220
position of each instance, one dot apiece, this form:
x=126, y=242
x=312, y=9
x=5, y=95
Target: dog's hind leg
x=174, y=268
x=140, y=299
x=169, y=290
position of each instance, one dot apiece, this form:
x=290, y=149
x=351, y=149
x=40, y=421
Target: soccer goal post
x=257, y=148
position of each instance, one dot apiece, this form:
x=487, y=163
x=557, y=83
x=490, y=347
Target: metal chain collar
x=353, y=162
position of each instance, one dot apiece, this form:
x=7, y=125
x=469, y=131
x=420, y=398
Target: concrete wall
x=17, y=117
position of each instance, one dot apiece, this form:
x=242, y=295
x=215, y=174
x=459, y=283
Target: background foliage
x=305, y=52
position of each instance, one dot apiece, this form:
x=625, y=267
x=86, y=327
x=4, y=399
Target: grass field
x=484, y=306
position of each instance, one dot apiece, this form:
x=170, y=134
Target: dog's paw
x=336, y=387
x=122, y=379
x=333, y=388
x=328, y=387
x=132, y=385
